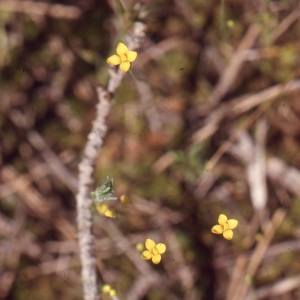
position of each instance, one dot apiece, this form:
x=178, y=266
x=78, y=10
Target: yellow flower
x=139, y=247
x=225, y=227
x=125, y=200
x=104, y=210
x=108, y=290
x=153, y=251
x=123, y=58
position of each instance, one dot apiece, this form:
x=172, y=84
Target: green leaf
x=103, y=193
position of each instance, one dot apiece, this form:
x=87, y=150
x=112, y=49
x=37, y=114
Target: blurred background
x=209, y=123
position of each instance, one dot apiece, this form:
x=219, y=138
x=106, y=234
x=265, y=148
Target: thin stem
x=86, y=168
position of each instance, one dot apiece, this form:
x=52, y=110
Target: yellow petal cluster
x=225, y=227
x=153, y=251
x=123, y=58
x=108, y=290
x=104, y=210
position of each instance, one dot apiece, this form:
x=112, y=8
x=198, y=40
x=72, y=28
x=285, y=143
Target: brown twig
x=285, y=24
x=277, y=288
x=22, y=186
x=231, y=73
x=58, y=11
x=37, y=141
x=258, y=255
x=240, y=106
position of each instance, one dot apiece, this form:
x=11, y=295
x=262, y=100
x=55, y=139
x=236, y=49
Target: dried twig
x=150, y=110
x=286, y=176
x=37, y=141
x=256, y=169
x=182, y=270
x=286, y=23
x=258, y=255
x=22, y=186
x=241, y=106
x=277, y=288
x=86, y=168
x=231, y=73
x=58, y=11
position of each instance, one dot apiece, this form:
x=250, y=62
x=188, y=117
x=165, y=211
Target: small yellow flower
x=125, y=199
x=139, y=247
x=104, y=210
x=230, y=23
x=108, y=290
x=153, y=251
x=123, y=58
x=225, y=227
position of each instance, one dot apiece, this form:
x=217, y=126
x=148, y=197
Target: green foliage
x=103, y=193
x=190, y=164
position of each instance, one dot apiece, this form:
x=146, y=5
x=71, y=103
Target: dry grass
x=208, y=124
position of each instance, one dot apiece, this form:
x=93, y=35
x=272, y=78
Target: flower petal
x=154, y=251
x=124, y=66
x=121, y=49
x=114, y=60
x=228, y=234
x=131, y=56
x=149, y=244
x=217, y=229
x=110, y=213
x=106, y=288
x=146, y=255
x=125, y=199
x=161, y=248
x=156, y=259
x=232, y=223
x=112, y=292
x=222, y=219
x=101, y=208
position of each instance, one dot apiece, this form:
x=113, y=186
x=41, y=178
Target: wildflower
x=225, y=227
x=125, y=200
x=153, y=251
x=123, y=58
x=108, y=290
x=104, y=210
x=230, y=23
